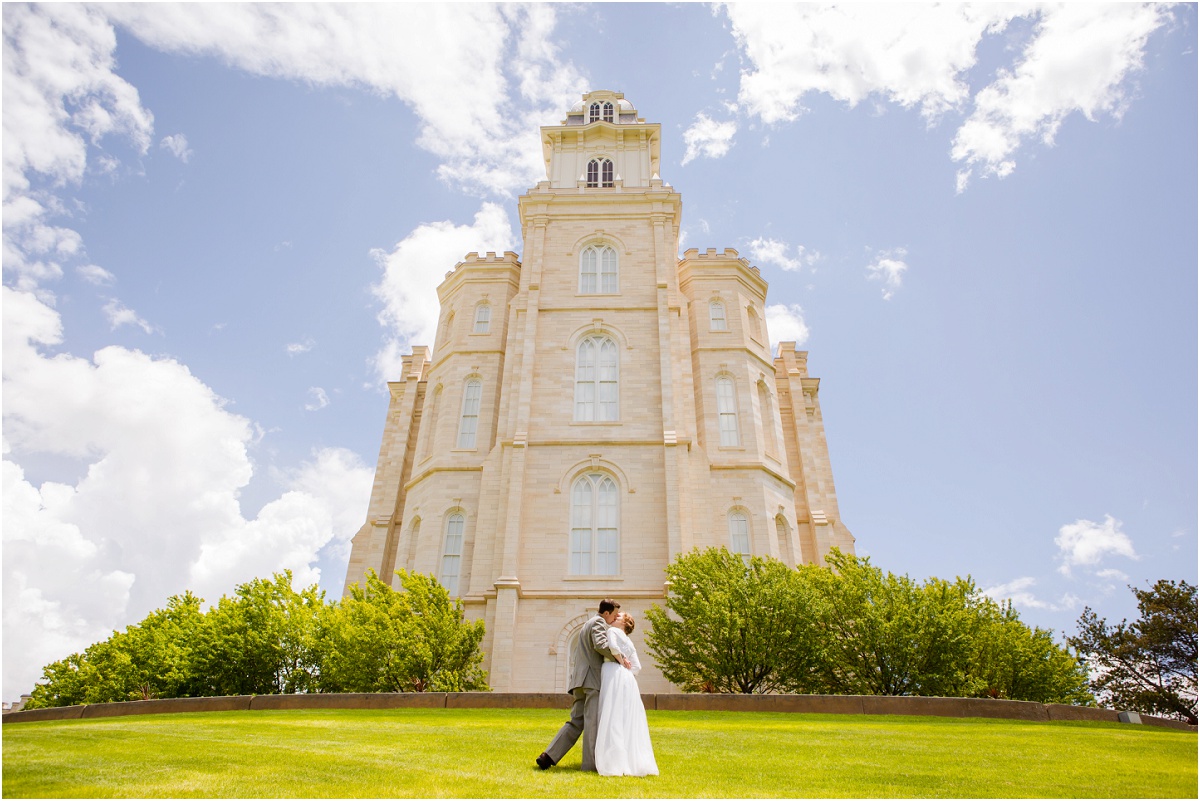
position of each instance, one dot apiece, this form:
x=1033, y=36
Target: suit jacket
x=588, y=653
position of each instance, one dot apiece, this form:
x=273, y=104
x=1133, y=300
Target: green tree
x=261, y=641
x=151, y=659
x=64, y=683
x=1148, y=665
x=413, y=640
x=1010, y=660
x=732, y=627
x=888, y=635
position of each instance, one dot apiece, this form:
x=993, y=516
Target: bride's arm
x=635, y=664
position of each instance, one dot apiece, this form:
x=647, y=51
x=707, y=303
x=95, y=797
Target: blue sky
x=224, y=223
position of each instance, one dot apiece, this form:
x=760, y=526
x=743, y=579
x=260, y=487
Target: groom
x=588, y=653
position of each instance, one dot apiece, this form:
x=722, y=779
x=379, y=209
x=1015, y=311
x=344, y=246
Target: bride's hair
x=629, y=624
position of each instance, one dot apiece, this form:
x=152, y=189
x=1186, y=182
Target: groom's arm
x=600, y=637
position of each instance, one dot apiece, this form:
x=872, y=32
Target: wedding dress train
x=623, y=737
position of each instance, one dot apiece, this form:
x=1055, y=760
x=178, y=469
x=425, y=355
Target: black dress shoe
x=544, y=761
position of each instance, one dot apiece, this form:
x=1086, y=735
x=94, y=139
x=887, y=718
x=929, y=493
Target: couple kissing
x=608, y=709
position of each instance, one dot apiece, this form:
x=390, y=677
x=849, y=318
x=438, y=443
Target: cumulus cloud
x=785, y=323
x=61, y=96
x=1078, y=58
x=156, y=510
x=414, y=268
x=1086, y=543
x=709, y=138
x=888, y=267
x=774, y=251
x=479, y=110
x=177, y=144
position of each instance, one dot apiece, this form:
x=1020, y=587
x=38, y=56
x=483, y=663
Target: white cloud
x=774, y=251
x=1078, y=61
x=785, y=323
x=1078, y=58
x=708, y=138
x=95, y=274
x=413, y=270
x=1086, y=543
x=889, y=268
x=319, y=400
x=60, y=96
x=157, y=508
x=1019, y=591
x=498, y=74
x=913, y=55
x=118, y=315
x=303, y=346
x=178, y=145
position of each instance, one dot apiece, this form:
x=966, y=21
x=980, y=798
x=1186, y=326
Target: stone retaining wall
x=682, y=702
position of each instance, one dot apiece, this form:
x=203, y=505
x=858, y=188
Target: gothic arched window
x=716, y=316
x=429, y=426
x=594, y=528
x=596, y=381
x=470, y=414
x=784, y=533
x=739, y=535
x=727, y=414
x=483, y=318
x=755, y=324
x=598, y=111
x=452, y=553
x=598, y=270
x=766, y=409
x=600, y=172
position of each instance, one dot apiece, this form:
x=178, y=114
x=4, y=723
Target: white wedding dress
x=623, y=738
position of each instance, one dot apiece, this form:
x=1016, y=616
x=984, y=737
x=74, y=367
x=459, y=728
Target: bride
x=623, y=739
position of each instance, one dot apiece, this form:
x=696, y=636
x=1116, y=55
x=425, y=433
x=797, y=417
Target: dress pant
x=585, y=717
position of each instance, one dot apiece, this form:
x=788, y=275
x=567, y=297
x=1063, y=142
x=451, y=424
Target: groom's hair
x=608, y=605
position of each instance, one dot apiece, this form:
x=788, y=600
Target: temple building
x=591, y=409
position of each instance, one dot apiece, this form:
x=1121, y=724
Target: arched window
x=598, y=270
x=596, y=381
x=452, y=553
x=600, y=173
x=414, y=534
x=470, y=414
x=594, y=530
x=727, y=416
x=768, y=419
x=783, y=532
x=429, y=427
x=755, y=324
x=716, y=316
x=599, y=111
x=739, y=535
x=483, y=318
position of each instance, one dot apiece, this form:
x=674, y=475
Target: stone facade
x=592, y=409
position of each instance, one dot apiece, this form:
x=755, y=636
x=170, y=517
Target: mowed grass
x=439, y=753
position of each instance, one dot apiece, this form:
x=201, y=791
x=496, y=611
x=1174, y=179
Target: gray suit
x=588, y=652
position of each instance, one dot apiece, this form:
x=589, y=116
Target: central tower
x=593, y=410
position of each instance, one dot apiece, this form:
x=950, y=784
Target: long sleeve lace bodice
x=620, y=645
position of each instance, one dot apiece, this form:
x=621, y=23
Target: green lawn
x=489, y=754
